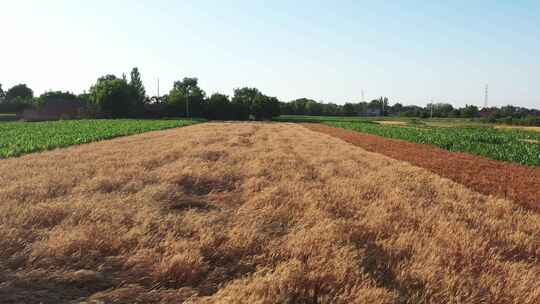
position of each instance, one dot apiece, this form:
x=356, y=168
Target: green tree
x=137, y=85
x=274, y=109
x=396, y=109
x=298, y=106
x=58, y=95
x=348, y=109
x=264, y=107
x=470, y=111
x=2, y=93
x=186, y=98
x=332, y=109
x=21, y=92
x=243, y=100
x=219, y=107
x=314, y=108
x=112, y=96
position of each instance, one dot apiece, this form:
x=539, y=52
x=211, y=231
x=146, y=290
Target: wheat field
x=253, y=213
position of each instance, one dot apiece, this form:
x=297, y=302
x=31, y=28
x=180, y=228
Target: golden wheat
x=253, y=213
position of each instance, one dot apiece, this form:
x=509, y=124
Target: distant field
x=307, y=118
x=433, y=122
x=7, y=117
x=506, y=145
x=460, y=135
x=19, y=138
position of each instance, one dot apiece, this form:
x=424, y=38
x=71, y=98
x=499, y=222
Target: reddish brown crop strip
x=506, y=180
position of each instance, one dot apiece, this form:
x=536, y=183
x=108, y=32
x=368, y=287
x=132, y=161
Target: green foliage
x=22, y=137
x=264, y=107
x=137, y=86
x=15, y=105
x=219, y=107
x=511, y=115
x=58, y=95
x=504, y=145
x=242, y=101
x=349, y=110
x=186, y=99
x=114, y=97
x=21, y=92
x=16, y=99
x=470, y=111
x=251, y=103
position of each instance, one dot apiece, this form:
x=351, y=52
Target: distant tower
x=486, y=96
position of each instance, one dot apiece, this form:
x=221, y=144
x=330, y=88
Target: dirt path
x=506, y=180
x=253, y=213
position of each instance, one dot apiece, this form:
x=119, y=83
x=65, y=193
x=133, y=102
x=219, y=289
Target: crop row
x=505, y=145
x=19, y=138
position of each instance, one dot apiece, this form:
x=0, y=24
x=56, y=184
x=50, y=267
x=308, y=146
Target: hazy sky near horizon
x=410, y=51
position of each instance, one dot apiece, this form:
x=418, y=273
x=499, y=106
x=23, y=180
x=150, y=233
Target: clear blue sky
x=409, y=51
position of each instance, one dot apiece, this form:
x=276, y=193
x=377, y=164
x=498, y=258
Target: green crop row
x=506, y=145
x=19, y=138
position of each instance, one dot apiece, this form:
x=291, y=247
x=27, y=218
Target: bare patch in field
x=253, y=213
x=525, y=128
x=391, y=122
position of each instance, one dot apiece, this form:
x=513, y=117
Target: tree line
x=120, y=97
x=381, y=107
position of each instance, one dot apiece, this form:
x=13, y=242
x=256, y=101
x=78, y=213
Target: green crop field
x=506, y=145
x=19, y=138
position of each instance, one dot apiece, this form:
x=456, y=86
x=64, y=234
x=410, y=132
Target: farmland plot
x=254, y=213
x=22, y=137
x=509, y=145
x=519, y=183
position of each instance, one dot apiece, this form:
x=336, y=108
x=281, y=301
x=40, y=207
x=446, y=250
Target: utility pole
x=486, y=96
x=363, y=96
x=158, y=89
x=431, y=107
x=187, y=106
